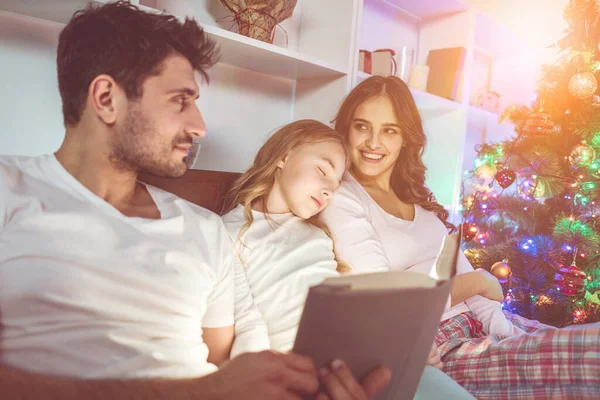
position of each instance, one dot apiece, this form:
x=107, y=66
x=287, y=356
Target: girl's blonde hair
x=254, y=185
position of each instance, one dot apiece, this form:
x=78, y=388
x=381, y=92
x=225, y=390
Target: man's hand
x=341, y=385
x=264, y=375
x=434, y=358
x=490, y=287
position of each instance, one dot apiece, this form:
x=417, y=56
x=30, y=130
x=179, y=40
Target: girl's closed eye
x=322, y=171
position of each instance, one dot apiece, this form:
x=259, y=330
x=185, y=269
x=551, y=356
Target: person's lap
x=435, y=384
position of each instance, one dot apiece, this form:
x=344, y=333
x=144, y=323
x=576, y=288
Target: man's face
x=157, y=130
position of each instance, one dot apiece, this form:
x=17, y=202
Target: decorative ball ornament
x=583, y=85
x=528, y=187
x=538, y=124
x=570, y=280
x=582, y=155
x=469, y=231
x=502, y=271
x=505, y=177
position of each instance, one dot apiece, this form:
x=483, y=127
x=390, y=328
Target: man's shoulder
x=199, y=211
x=13, y=167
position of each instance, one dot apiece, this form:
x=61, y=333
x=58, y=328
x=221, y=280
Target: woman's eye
x=361, y=127
x=391, y=131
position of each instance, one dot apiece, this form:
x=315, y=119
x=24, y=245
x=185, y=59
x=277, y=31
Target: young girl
x=284, y=248
x=384, y=217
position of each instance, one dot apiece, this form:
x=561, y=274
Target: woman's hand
x=490, y=287
x=435, y=359
x=341, y=385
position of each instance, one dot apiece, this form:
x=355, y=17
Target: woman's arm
x=468, y=283
x=355, y=239
x=474, y=283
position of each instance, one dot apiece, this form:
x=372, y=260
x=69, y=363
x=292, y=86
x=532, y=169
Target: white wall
x=386, y=27
x=30, y=106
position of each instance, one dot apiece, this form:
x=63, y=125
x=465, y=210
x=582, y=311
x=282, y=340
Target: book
x=445, y=71
x=379, y=319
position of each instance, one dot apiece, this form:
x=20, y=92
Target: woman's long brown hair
x=408, y=175
x=254, y=185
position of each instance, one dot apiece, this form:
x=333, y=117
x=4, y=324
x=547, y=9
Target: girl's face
x=309, y=175
x=375, y=138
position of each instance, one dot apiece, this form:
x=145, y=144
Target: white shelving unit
x=453, y=127
x=258, y=87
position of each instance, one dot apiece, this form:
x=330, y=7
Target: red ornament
x=570, y=280
x=505, y=177
x=538, y=123
x=469, y=231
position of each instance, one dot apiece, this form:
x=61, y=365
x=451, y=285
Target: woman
x=284, y=248
x=384, y=217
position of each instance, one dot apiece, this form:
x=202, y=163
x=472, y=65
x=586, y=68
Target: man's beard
x=137, y=147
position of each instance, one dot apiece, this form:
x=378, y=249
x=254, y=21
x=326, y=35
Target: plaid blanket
x=545, y=363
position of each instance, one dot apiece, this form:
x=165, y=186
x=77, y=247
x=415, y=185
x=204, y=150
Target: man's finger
x=299, y=362
x=376, y=381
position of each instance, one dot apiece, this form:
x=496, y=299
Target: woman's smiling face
x=375, y=139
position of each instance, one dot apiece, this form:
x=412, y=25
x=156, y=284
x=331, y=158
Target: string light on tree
x=469, y=231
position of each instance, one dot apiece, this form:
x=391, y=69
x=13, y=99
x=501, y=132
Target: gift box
x=489, y=101
x=364, y=61
x=383, y=62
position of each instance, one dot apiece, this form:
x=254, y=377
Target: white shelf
x=478, y=116
x=425, y=9
x=236, y=49
x=429, y=105
x=269, y=59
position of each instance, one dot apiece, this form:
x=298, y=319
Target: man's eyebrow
x=186, y=90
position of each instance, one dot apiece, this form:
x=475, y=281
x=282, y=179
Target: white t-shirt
x=88, y=292
x=369, y=239
x=283, y=258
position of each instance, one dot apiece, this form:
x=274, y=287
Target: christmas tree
x=531, y=207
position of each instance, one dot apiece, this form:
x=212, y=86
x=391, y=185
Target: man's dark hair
x=120, y=40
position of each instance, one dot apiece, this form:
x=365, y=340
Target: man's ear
x=283, y=161
x=105, y=97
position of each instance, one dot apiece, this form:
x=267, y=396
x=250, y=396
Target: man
x=113, y=289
